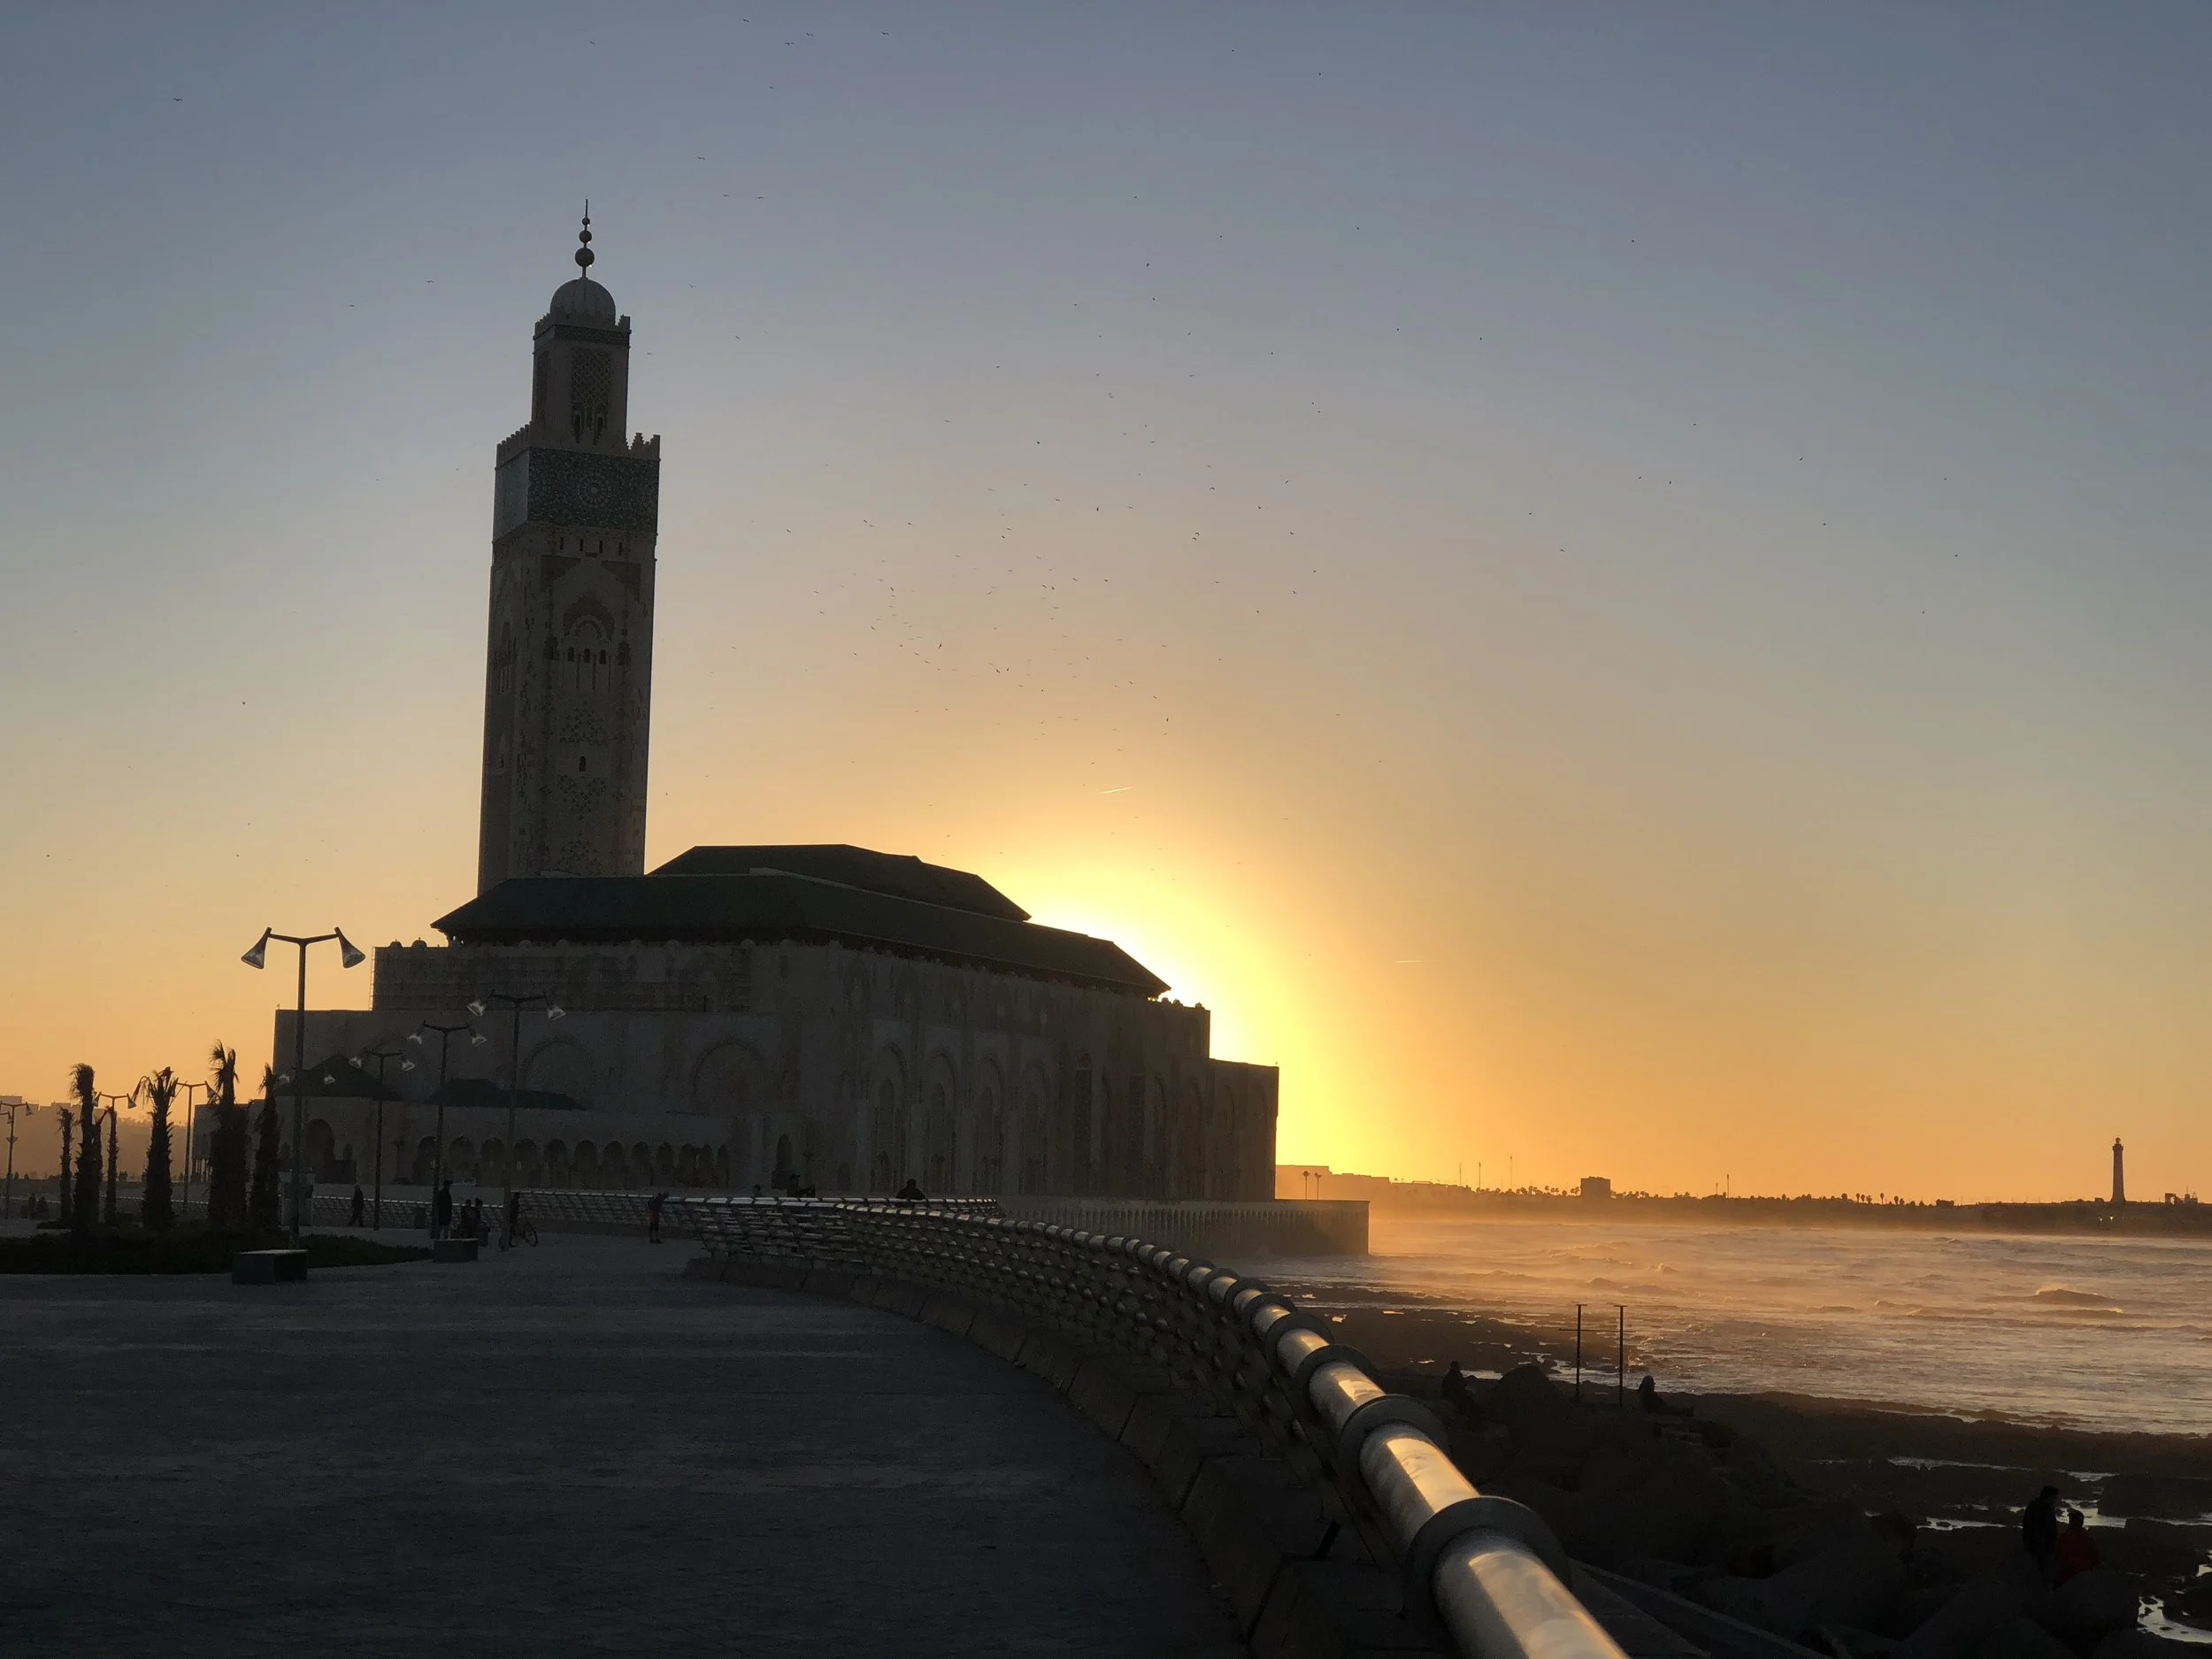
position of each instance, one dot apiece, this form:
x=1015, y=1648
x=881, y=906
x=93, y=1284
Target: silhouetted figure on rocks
x=1454, y=1388
x=910, y=1193
x=2038, y=1529
x=1647, y=1396
x=357, y=1216
x=2076, y=1552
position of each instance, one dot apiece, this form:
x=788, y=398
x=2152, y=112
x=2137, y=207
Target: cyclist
x=518, y=1229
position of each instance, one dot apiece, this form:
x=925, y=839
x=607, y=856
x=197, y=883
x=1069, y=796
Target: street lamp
x=515, y=1004
x=349, y=956
x=190, y=1104
x=446, y=1034
x=108, y=1208
x=14, y=1103
x=380, y=1055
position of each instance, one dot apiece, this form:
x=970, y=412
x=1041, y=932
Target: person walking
x=357, y=1216
x=653, y=1217
x=441, y=1209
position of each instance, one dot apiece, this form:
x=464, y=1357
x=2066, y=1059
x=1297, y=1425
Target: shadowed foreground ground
x=572, y=1450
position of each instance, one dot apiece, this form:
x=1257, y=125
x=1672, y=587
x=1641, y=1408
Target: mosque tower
x=2119, y=1175
x=568, y=685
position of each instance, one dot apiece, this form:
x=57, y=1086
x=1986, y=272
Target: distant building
x=2119, y=1173
x=1596, y=1187
x=753, y=1015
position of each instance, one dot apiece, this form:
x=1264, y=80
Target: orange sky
x=1590, y=614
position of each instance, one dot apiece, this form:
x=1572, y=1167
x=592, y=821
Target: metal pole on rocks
x=1578, y=1353
x=1620, y=1359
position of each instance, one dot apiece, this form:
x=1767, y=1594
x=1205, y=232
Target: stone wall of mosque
x=849, y=1070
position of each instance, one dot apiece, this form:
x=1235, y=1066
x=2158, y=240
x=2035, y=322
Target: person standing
x=2039, y=1531
x=2076, y=1552
x=357, y=1216
x=441, y=1209
x=653, y=1217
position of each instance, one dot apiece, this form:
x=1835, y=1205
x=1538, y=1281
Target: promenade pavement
x=570, y=1450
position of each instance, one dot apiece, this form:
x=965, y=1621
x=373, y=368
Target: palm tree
x=86, y=1206
x=226, y=1147
x=264, y=1204
x=68, y=1136
x=154, y=1213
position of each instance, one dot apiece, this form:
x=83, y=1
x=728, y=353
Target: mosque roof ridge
x=896, y=875
x=723, y=907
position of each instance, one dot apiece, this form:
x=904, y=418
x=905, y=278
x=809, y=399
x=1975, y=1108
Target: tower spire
x=583, y=239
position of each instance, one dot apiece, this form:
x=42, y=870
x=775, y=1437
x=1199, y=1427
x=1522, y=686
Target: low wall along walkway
x=1222, y=1231
x=1326, y=1507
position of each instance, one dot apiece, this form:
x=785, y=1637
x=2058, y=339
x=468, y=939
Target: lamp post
x=190, y=1104
x=515, y=1004
x=380, y=1055
x=107, y=1215
x=14, y=1104
x=446, y=1034
x=350, y=956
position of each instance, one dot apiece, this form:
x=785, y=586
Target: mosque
x=742, y=1016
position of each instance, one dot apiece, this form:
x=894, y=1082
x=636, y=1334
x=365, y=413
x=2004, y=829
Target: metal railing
x=1486, y=1570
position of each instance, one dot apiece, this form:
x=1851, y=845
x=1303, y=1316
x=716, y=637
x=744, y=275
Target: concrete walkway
x=567, y=1450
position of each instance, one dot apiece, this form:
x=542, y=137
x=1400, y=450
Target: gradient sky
x=1622, y=588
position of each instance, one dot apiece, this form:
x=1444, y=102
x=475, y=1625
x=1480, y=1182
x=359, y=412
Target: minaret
x=2119, y=1175
x=568, y=685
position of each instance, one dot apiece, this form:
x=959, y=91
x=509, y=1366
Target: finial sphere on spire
x=580, y=299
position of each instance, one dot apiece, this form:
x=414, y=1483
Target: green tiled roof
x=894, y=875
x=770, y=905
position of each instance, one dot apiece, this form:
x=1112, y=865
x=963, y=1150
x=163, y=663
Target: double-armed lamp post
x=360, y=1061
x=107, y=1210
x=191, y=1104
x=350, y=956
x=446, y=1034
x=516, y=1004
x=14, y=1103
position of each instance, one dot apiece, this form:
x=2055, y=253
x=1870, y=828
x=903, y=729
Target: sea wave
x=2065, y=1296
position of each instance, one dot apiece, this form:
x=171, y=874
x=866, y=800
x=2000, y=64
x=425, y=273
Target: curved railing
x=1484, y=1571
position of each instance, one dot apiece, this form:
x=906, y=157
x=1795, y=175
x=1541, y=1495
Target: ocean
x=2097, y=1333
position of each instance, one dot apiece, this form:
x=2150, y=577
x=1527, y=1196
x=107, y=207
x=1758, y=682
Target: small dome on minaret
x=583, y=300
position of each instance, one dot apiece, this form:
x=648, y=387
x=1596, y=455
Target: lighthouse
x=2119, y=1174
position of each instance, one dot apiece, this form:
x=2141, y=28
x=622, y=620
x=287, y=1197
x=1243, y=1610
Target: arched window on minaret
x=590, y=390
x=586, y=658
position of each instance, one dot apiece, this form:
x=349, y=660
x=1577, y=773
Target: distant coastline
x=2181, y=1215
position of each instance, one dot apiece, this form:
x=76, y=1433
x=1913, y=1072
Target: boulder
x=1526, y=1395
x=2021, y=1637
x=2090, y=1606
x=2137, y=1643
x=1814, y=1529
x=2160, y=1497
x=1684, y=1512
x=1976, y=1612
x=1854, y=1584
x=2167, y=1549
